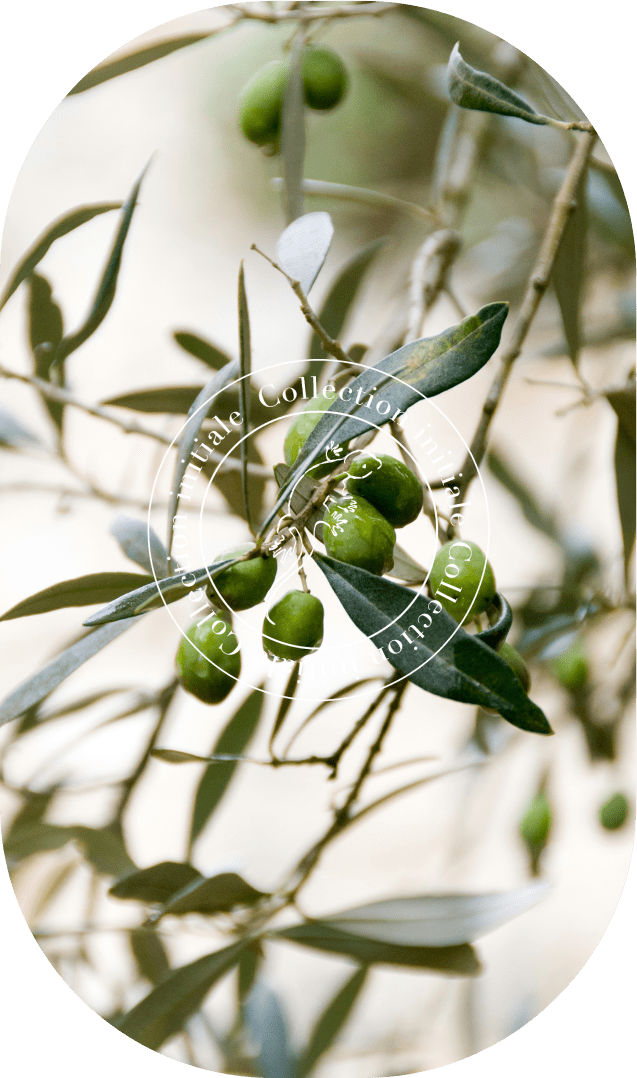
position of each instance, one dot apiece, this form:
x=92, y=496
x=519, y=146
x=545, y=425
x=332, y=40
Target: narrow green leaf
x=263, y=1015
x=104, y=847
x=108, y=284
x=245, y=360
x=111, y=69
x=346, y=193
x=83, y=591
x=341, y=296
x=458, y=960
x=149, y=953
x=202, y=349
x=424, y=368
x=302, y=248
x=437, y=920
x=569, y=270
x=216, y=894
x=406, y=569
x=215, y=780
x=249, y=965
x=167, y=400
x=58, y=228
x=157, y=884
x=293, y=135
x=46, y=329
x=168, y=1007
x=175, y=756
x=500, y=629
x=35, y=838
x=625, y=477
x=622, y=401
x=471, y=89
x=35, y=689
x=446, y=661
x=13, y=435
x=286, y=702
x=141, y=544
x=535, y=514
x=331, y=1022
x=53, y=885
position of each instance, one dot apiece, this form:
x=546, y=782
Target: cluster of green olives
x=261, y=102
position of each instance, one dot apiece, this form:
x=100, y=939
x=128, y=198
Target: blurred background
x=556, y=540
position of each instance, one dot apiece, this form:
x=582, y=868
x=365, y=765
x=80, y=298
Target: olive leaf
x=437, y=655
x=216, y=778
x=437, y=920
x=245, y=361
x=111, y=69
x=13, y=435
x=46, y=329
x=293, y=134
x=106, y=290
x=141, y=544
x=149, y=954
x=156, y=884
x=163, y=1012
x=35, y=689
x=331, y=1021
x=625, y=477
x=423, y=368
x=168, y=400
x=204, y=350
x=536, y=515
x=568, y=270
x=302, y=248
x=58, y=228
x=471, y=89
x=216, y=894
x=456, y=960
x=83, y=591
x=267, y=1028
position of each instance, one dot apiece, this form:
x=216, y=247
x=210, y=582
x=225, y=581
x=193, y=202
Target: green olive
x=536, y=822
x=356, y=533
x=245, y=584
x=324, y=78
x=571, y=668
x=513, y=659
x=299, y=432
x=614, y=812
x=208, y=660
x=261, y=102
x=455, y=579
x=293, y=628
x=389, y=485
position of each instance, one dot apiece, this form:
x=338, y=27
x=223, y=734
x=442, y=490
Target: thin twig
x=345, y=11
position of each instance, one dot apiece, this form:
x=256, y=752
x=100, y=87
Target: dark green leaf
x=46, y=330
x=245, y=361
x=169, y=400
x=331, y=1022
x=111, y=69
x=217, y=894
x=140, y=543
x=149, y=953
x=500, y=629
x=447, y=662
x=12, y=434
x=204, y=350
x=458, y=960
x=168, y=1007
x=58, y=228
x=341, y=296
x=265, y=1021
x=622, y=401
x=625, y=477
x=104, y=848
x=569, y=270
x=157, y=884
x=286, y=702
x=293, y=135
x=35, y=838
x=536, y=516
x=35, y=689
x=216, y=778
x=106, y=291
x=249, y=964
x=424, y=368
x=302, y=248
x=32, y=811
x=83, y=591
x=437, y=920
x=473, y=89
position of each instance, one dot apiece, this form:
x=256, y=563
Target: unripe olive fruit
x=245, y=584
x=261, y=102
x=293, y=628
x=387, y=484
x=614, y=812
x=513, y=659
x=324, y=78
x=299, y=432
x=571, y=668
x=208, y=660
x=356, y=533
x=536, y=822
x=455, y=579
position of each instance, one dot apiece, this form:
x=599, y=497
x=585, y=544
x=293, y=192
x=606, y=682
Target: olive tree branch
x=312, y=12
x=563, y=205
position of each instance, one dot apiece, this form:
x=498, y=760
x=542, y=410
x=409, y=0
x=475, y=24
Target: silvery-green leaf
x=83, y=591
x=457, y=960
x=141, y=544
x=165, y=1010
x=442, y=658
x=302, y=248
x=437, y=920
x=473, y=89
x=58, y=228
x=422, y=369
x=13, y=434
x=267, y=1027
x=110, y=69
x=35, y=689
